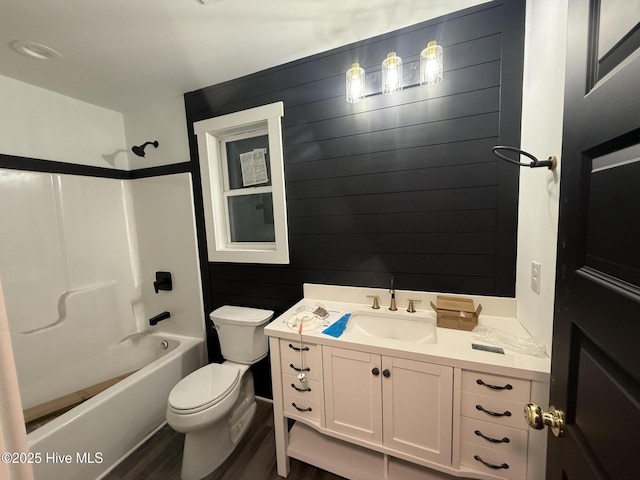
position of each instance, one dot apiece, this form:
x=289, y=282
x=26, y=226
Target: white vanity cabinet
x=386, y=409
x=399, y=403
x=493, y=435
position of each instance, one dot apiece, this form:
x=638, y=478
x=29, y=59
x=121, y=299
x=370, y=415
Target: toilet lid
x=204, y=387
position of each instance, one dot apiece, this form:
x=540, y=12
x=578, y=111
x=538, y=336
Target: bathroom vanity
x=395, y=397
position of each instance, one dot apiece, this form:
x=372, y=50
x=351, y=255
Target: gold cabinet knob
x=537, y=418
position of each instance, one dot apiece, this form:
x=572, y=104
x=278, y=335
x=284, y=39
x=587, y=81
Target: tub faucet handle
x=163, y=281
x=375, y=305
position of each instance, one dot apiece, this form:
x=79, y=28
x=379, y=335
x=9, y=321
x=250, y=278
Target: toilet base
x=205, y=450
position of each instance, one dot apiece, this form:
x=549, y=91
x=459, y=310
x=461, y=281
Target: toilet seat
x=203, y=388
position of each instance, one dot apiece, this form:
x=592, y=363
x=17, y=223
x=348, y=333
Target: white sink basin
x=406, y=328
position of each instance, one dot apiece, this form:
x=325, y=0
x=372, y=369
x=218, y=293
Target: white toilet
x=215, y=404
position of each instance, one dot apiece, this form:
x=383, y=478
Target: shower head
x=139, y=149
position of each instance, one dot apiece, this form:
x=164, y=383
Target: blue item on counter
x=337, y=328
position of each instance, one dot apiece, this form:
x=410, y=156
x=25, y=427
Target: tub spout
x=159, y=318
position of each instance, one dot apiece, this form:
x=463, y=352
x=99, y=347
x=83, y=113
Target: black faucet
x=158, y=318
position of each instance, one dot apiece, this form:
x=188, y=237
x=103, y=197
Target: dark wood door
x=596, y=342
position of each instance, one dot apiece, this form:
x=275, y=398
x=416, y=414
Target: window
x=243, y=186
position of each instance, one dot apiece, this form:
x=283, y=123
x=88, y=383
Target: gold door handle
x=536, y=418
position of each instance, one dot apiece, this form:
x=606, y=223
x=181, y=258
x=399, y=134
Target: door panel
x=353, y=400
x=595, y=358
x=418, y=423
x=605, y=414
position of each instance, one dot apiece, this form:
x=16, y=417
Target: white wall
x=164, y=121
x=542, y=110
x=37, y=123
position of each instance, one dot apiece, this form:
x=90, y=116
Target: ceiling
x=123, y=54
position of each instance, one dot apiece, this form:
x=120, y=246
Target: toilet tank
x=241, y=332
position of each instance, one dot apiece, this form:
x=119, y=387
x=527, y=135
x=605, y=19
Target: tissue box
x=456, y=312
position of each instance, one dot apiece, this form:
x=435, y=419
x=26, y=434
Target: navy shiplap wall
x=403, y=184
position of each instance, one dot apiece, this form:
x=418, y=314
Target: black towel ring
x=550, y=163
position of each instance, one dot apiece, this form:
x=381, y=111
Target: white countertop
x=453, y=347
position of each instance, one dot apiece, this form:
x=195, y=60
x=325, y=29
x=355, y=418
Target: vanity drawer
x=507, y=388
x=494, y=410
x=293, y=359
x=302, y=407
x=494, y=436
x=494, y=462
x=309, y=390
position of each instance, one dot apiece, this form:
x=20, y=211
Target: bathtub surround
x=74, y=220
x=99, y=241
x=163, y=207
x=87, y=300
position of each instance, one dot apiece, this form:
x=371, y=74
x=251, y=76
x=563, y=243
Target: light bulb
x=431, y=64
x=391, y=74
x=355, y=86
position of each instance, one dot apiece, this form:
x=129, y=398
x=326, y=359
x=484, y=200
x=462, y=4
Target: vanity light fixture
x=431, y=72
x=391, y=74
x=431, y=64
x=355, y=83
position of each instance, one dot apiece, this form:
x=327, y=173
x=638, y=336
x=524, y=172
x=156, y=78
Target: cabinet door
x=353, y=401
x=417, y=399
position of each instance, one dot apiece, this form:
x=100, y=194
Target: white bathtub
x=88, y=441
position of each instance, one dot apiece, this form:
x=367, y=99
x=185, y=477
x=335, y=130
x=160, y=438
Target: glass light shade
x=355, y=83
x=391, y=74
x=431, y=64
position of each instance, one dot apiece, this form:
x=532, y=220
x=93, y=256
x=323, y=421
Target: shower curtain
x=13, y=436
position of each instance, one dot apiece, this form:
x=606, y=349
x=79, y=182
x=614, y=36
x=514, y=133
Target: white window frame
x=212, y=135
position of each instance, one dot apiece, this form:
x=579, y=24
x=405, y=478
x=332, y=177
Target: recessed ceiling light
x=34, y=50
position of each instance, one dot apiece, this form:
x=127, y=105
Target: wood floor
x=160, y=458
